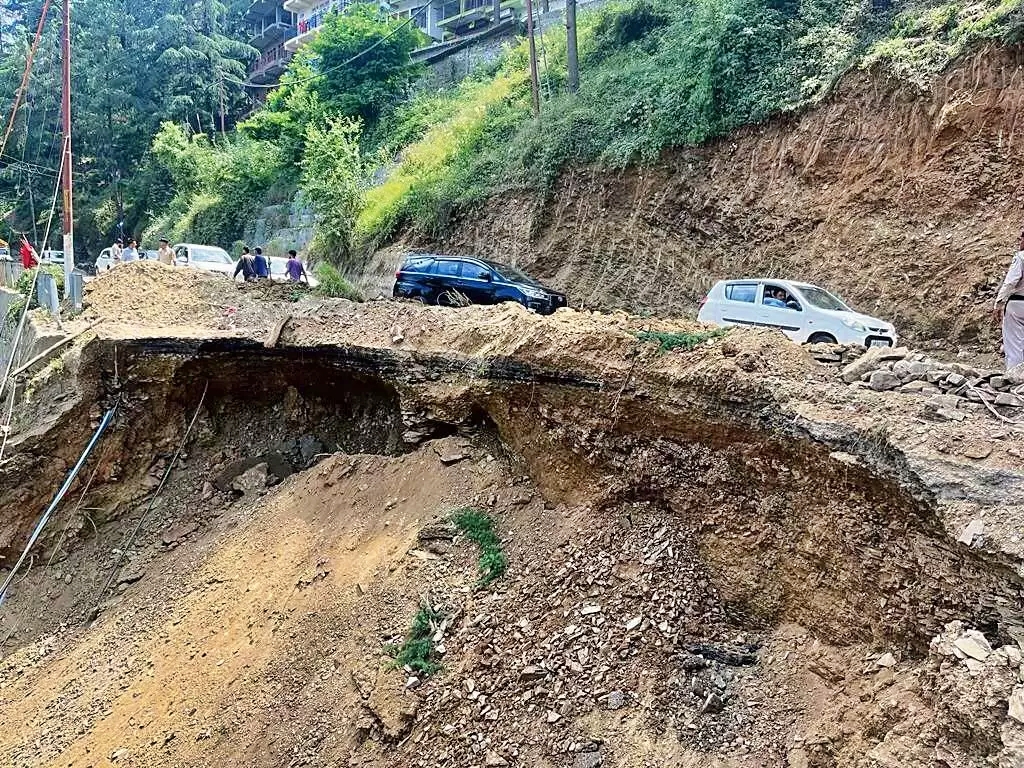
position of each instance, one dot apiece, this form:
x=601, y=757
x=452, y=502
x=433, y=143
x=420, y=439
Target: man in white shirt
x=1009, y=308
x=116, y=250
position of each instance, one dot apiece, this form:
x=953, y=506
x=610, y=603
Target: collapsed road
x=725, y=554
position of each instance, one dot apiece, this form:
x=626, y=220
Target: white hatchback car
x=804, y=312
x=208, y=257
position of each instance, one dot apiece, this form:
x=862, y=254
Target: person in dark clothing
x=246, y=265
x=262, y=264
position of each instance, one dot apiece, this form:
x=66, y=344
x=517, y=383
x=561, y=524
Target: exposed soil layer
x=906, y=203
x=722, y=556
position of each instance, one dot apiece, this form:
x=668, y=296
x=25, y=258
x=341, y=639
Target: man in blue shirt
x=130, y=253
x=262, y=264
x=770, y=299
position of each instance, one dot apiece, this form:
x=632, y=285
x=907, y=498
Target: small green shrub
x=417, y=652
x=14, y=310
x=332, y=284
x=478, y=527
x=667, y=341
x=26, y=278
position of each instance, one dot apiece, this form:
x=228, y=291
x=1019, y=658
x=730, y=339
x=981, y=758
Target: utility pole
x=571, y=53
x=69, y=217
x=534, y=81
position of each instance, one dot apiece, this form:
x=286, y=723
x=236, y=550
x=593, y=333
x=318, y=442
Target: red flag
x=28, y=256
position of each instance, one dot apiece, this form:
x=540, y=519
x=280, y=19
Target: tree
x=364, y=60
x=134, y=66
x=331, y=174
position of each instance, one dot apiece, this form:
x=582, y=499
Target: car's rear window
x=448, y=268
x=745, y=292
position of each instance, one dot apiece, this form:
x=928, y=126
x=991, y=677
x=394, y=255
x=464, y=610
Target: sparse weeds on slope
x=417, y=652
x=478, y=527
x=926, y=36
x=667, y=341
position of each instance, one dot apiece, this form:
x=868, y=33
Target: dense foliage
x=657, y=74
x=348, y=135
x=217, y=187
x=135, y=65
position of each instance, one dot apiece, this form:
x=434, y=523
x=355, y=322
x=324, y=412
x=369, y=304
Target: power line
x=23, y=165
x=318, y=75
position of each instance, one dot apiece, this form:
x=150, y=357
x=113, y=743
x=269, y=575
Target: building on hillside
x=437, y=18
x=270, y=24
x=309, y=15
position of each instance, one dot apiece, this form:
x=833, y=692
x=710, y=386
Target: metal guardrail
x=46, y=292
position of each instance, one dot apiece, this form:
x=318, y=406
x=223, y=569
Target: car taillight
x=702, y=302
x=398, y=273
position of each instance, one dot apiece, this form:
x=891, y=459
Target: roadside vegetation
x=478, y=527
x=23, y=287
x=668, y=341
x=352, y=137
x=333, y=285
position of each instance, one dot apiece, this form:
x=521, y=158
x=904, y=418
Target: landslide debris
x=726, y=555
x=902, y=199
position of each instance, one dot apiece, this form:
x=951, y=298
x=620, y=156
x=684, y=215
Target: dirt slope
x=908, y=204
x=725, y=556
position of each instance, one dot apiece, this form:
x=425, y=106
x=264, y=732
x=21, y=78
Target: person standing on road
x=116, y=251
x=262, y=263
x=165, y=255
x=246, y=265
x=28, y=255
x=295, y=269
x=1009, y=309
x=130, y=253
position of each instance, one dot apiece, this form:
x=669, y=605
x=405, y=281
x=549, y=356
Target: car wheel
x=821, y=338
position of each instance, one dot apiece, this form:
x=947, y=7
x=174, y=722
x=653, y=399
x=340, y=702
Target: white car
x=804, y=312
x=207, y=257
x=105, y=261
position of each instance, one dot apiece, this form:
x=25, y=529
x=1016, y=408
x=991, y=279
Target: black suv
x=457, y=280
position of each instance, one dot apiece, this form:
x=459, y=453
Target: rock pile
x=979, y=690
x=952, y=388
x=623, y=622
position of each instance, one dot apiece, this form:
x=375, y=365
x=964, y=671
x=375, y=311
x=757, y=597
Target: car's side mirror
x=485, y=276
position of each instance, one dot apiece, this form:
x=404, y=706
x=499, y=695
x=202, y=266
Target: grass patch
x=478, y=527
x=668, y=341
x=333, y=284
x=417, y=652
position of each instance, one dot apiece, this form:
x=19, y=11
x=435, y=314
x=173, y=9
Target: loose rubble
x=952, y=389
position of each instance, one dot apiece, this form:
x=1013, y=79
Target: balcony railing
x=270, y=65
x=268, y=33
